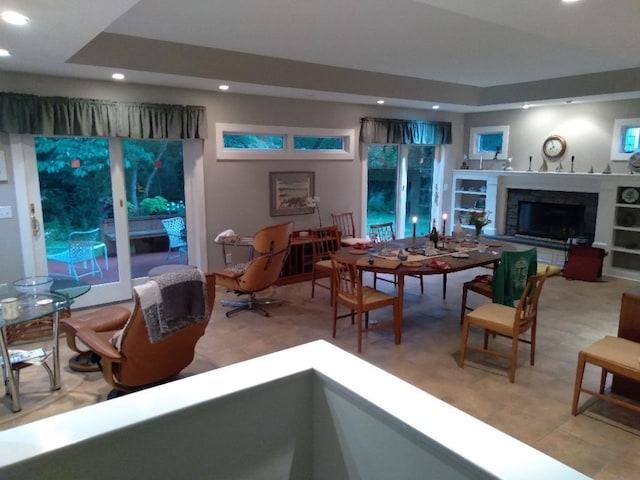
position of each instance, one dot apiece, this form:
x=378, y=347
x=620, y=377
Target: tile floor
x=535, y=410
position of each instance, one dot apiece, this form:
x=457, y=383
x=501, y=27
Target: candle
x=415, y=221
x=444, y=224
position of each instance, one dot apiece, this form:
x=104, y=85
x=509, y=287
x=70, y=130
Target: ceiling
x=464, y=55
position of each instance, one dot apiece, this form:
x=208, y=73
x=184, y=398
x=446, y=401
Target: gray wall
x=237, y=192
x=11, y=251
x=587, y=128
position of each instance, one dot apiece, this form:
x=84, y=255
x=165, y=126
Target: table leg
x=400, y=304
x=10, y=381
x=56, y=352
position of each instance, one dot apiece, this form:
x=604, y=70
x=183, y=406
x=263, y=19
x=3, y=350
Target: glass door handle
x=35, y=224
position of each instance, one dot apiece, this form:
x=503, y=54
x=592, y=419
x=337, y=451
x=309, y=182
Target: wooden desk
x=476, y=259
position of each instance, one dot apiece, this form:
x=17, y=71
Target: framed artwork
x=289, y=192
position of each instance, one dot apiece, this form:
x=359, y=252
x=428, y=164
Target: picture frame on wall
x=289, y=192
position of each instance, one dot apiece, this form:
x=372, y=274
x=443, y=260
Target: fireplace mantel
x=607, y=186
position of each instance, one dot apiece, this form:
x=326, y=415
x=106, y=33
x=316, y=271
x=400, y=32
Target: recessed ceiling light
x=223, y=87
x=4, y=53
x=570, y=1
x=14, y=18
x=380, y=102
x=118, y=76
x=435, y=107
x=525, y=106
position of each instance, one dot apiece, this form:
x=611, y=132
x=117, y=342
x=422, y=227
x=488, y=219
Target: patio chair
x=176, y=230
x=80, y=255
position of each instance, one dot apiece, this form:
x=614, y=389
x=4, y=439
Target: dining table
x=35, y=299
x=389, y=258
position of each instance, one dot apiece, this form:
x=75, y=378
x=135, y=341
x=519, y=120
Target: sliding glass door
x=400, y=186
x=103, y=210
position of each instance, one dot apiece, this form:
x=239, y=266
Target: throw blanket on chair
x=173, y=301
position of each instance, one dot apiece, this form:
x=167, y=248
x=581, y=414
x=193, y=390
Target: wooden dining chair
x=507, y=282
x=360, y=300
x=506, y=321
x=326, y=240
x=345, y=224
x=381, y=233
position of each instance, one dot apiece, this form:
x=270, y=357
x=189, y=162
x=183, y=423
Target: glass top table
x=36, y=298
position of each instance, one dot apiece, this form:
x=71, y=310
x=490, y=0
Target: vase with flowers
x=313, y=203
x=479, y=220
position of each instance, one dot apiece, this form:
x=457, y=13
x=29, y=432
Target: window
x=489, y=142
x=625, y=138
x=259, y=142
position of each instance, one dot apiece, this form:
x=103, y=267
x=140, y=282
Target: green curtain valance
x=420, y=132
x=79, y=117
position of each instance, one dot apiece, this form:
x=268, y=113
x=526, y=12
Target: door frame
x=27, y=191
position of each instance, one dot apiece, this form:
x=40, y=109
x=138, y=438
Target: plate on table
x=460, y=255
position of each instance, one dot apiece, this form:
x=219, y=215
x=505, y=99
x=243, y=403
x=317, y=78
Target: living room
x=235, y=193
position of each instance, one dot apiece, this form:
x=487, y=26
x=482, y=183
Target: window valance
x=31, y=114
x=386, y=130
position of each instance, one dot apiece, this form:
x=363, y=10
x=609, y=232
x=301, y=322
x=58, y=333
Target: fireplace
x=551, y=215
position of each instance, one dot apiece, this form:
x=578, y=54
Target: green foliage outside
x=75, y=181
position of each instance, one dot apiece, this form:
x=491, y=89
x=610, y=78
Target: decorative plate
x=634, y=162
x=630, y=195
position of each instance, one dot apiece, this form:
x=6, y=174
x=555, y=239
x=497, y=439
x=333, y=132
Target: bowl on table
x=33, y=285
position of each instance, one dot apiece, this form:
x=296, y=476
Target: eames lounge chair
x=149, y=347
x=271, y=248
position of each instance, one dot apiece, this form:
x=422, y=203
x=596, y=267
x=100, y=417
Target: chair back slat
x=382, y=232
x=326, y=240
x=346, y=279
x=344, y=222
x=176, y=231
x=527, y=309
x=81, y=245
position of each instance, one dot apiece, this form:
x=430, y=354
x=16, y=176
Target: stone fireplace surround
x=589, y=200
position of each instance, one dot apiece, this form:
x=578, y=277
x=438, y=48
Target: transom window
x=258, y=142
x=489, y=142
x=625, y=138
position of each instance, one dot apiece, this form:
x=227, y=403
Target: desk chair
x=506, y=321
x=381, y=233
x=507, y=282
x=271, y=248
x=326, y=240
x=359, y=299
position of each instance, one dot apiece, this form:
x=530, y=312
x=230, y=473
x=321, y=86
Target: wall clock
x=554, y=147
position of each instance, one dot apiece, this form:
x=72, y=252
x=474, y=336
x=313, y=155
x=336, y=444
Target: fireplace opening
x=553, y=221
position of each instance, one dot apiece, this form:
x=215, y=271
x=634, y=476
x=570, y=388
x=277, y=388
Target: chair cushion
x=493, y=316
x=326, y=264
x=619, y=351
